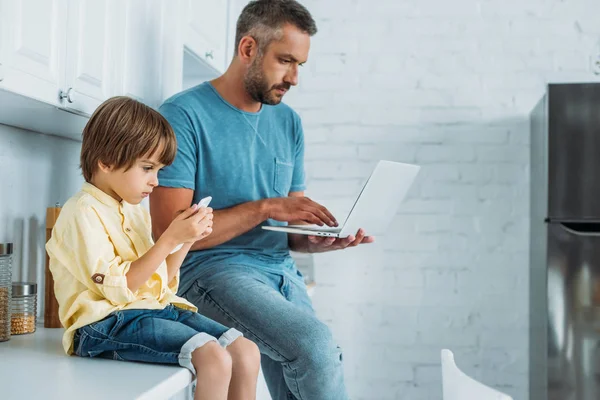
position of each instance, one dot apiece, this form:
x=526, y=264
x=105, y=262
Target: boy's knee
x=212, y=359
x=245, y=353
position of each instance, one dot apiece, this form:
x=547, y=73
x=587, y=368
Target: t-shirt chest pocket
x=282, y=180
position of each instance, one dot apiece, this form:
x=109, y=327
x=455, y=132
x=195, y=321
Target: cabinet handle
x=209, y=54
x=69, y=95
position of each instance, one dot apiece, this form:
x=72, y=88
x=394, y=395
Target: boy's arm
x=83, y=246
x=142, y=269
x=175, y=260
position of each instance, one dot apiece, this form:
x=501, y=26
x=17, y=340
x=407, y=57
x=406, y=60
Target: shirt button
x=127, y=229
x=164, y=291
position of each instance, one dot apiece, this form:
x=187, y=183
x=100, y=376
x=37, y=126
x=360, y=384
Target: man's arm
x=232, y=222
x=229, y=223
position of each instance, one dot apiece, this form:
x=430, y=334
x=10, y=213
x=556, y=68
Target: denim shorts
x=167, y=336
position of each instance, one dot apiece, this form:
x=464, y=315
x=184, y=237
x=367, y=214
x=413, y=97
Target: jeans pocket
x=105, y=328
x=282, y=181
x=88, y=346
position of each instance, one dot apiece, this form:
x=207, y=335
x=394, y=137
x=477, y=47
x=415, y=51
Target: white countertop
x=34, y=366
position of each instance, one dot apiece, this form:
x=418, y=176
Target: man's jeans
x=299, y=357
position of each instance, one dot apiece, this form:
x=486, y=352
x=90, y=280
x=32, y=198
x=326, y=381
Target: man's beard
x=257, y=86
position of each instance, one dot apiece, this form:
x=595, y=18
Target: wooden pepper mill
x=51, y=319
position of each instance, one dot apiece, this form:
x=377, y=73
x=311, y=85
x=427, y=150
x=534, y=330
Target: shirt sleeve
x=174, y=284
x=82, y=246
x=182, y=173
x=298, y=177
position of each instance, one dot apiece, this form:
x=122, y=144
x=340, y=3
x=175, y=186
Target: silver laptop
x=375, y=206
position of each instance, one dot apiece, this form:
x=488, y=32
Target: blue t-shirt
x=235, y=157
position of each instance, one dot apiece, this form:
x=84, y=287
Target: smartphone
x=205, y=201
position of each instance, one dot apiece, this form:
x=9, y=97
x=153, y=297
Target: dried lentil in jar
x=24, y=308
x=6, y=250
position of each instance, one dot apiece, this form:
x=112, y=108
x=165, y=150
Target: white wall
x=36, y=171
x=447, y=85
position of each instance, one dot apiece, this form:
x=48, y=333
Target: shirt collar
x=99, y=195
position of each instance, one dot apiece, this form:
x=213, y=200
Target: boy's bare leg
x=246, y=366
x=213, y=372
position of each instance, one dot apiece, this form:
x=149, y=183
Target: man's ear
x=103, y=167
x=248, y=49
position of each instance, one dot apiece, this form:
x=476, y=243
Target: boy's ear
x=103, y=167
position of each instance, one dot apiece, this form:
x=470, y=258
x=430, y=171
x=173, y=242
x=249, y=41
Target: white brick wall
x=447, y=85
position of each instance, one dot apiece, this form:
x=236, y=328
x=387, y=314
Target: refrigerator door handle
x=582, y=228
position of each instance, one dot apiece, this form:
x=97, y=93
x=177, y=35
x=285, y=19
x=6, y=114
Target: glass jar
x=6, y=251
x=24, y=308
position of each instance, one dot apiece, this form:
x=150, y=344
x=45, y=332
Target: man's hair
x=121, y=131
x=263, y=20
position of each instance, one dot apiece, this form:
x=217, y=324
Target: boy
x=115, y=287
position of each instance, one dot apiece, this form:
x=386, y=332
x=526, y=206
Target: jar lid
x=6, y=249
x=20, y=289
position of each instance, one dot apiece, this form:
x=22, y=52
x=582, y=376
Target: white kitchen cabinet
x=71, y=55
x=140, y=50
x=90, y=58
x=32, y=47
x=59, y=52
x=206, y=28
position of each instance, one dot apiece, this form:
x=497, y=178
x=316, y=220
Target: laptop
x=373, y=209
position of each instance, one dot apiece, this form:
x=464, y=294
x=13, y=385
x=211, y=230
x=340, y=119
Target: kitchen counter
x=34, y=366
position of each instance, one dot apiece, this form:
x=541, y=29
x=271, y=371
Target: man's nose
x=292, y=76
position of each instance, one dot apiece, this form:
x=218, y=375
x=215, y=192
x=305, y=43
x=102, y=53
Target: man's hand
x=319, y=244
x=299, y=209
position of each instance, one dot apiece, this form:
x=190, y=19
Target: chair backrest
x=459, y=386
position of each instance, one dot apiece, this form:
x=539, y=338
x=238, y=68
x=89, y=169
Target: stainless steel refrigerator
x=565, y=244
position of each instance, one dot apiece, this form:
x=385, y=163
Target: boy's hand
x=190, y=225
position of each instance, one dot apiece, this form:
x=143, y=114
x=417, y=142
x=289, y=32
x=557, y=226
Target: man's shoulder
x=191, y=98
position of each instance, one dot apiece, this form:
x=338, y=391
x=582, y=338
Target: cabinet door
x=32, y=45
x=140, y=50
x=206, y=27
x=90, y=66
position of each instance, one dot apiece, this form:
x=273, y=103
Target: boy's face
x=136, y=183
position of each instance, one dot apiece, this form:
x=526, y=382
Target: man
x=239, y=144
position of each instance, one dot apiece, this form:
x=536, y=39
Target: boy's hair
x=263, y=19
x=121, y=131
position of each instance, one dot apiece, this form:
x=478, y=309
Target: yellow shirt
x=94, y=242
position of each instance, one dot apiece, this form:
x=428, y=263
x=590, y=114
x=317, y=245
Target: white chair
x=459, y=386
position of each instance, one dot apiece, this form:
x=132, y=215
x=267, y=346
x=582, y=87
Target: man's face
x=272, y=74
